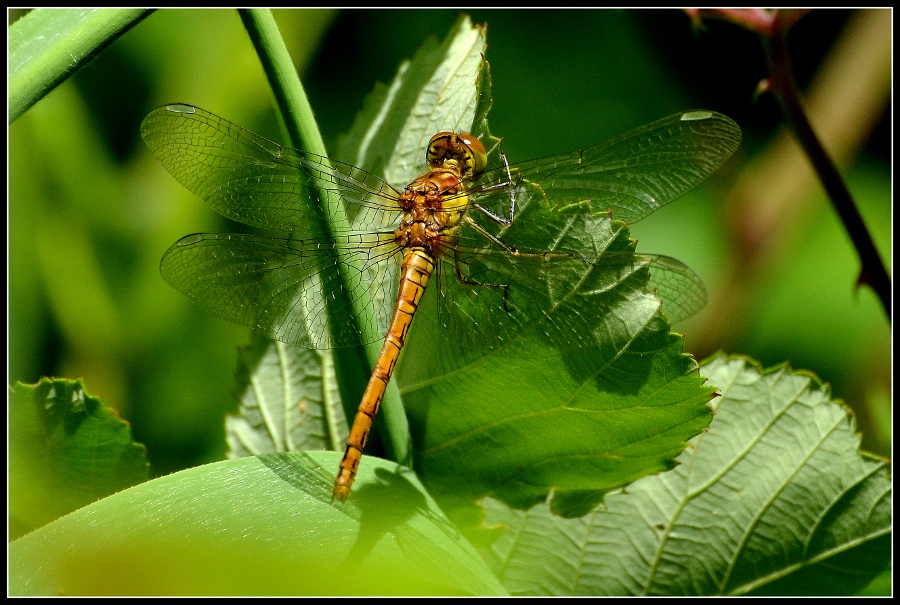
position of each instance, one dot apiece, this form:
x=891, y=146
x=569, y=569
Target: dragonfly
x=505, y=243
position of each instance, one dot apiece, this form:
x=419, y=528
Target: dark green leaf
x=775, y=498
x=536, y=417
x=66, y=450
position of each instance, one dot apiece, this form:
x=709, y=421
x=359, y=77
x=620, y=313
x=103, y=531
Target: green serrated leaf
x=255, y=526
x=536, y=418
x=592, y=395
x=775, y=498
x=66, y=450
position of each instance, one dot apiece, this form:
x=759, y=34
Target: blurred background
x=91, y=211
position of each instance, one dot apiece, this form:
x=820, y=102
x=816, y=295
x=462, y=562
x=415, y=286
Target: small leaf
x=66, y=450
x=432, y=93
x=775, y=498
x=288, y=401
x=262, y=526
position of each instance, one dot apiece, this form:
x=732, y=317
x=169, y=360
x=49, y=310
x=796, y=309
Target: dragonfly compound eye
x=479, y=155
x=462, y=148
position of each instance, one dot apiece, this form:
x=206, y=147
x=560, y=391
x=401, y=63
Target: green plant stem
x=46, y=46
x=290, y=97
x=303, y=130
x=782, y=84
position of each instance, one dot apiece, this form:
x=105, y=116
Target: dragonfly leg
x=493, y=238
x=508, y=184
x=464, y=279
x=509, y=248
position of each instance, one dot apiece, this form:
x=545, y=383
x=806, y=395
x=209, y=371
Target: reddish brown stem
x=781, y=83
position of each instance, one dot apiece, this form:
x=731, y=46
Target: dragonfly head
x=462, y=150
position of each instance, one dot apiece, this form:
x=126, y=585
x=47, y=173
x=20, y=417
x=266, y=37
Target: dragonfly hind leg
x=466, y=281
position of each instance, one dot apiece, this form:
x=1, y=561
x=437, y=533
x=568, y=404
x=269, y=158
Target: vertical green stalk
x=304, y=132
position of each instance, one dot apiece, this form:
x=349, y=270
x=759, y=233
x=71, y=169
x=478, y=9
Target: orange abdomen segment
x=418, y=265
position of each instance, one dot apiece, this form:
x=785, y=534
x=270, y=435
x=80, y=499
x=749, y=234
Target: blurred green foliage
x=91, y=211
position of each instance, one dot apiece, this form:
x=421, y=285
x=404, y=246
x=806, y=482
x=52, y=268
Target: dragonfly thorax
x=433, y=206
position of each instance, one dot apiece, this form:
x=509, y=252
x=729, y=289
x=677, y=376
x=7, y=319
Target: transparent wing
x=276, y=286
x=682, y=292
x=569, y=250
x=574, y=277
x=568, y=300
x=254, y=181
x=633, y=175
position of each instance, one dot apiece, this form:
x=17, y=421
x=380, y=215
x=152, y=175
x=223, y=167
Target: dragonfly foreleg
x=508, y=184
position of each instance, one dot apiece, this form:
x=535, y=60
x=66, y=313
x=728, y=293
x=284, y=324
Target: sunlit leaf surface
x=254, y=526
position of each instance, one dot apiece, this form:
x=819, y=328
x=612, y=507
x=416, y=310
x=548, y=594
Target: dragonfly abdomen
x=418, y=266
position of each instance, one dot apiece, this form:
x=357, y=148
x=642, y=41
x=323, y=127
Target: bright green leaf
x=775, y=498
x=254, y=526
x=434, y=92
